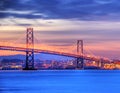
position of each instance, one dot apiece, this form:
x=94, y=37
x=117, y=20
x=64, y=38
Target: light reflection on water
x=60, y=81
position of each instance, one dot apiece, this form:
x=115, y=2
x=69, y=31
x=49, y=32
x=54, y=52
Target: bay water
x=60, y=81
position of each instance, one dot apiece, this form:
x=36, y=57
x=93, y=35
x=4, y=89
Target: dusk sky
x=59, y=23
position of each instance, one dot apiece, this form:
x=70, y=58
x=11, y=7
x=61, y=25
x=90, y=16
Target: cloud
x=62, y=9
x=104, y=1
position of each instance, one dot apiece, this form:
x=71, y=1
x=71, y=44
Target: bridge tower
x=30, y=49
x=80, y=61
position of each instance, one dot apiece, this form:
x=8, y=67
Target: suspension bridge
x=30, y=50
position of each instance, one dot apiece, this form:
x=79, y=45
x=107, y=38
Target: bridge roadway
x=21, y=49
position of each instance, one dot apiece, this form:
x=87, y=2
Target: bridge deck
x=11, y=48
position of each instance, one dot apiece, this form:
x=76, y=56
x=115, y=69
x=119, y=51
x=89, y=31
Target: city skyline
x=59, y=23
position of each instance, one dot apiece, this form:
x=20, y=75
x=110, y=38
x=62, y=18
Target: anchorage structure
x=80, y=61
x=30, y=50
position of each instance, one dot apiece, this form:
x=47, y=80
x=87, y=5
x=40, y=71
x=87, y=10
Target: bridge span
x=21, y=49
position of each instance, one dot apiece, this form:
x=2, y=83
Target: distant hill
x=20, y=57
x=37, y=56
x=11, y=60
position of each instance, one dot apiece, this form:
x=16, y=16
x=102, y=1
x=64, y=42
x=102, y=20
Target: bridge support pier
x=30, y=50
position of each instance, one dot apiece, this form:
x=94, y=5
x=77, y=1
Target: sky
x=58, y=24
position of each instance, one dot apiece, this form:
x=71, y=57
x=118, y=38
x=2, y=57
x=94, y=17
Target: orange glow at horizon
x=65, y=49
x=68, y=49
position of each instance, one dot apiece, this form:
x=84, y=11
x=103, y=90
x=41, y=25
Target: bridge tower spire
x=79, y=47
x=80, y=61
x=30, y=49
